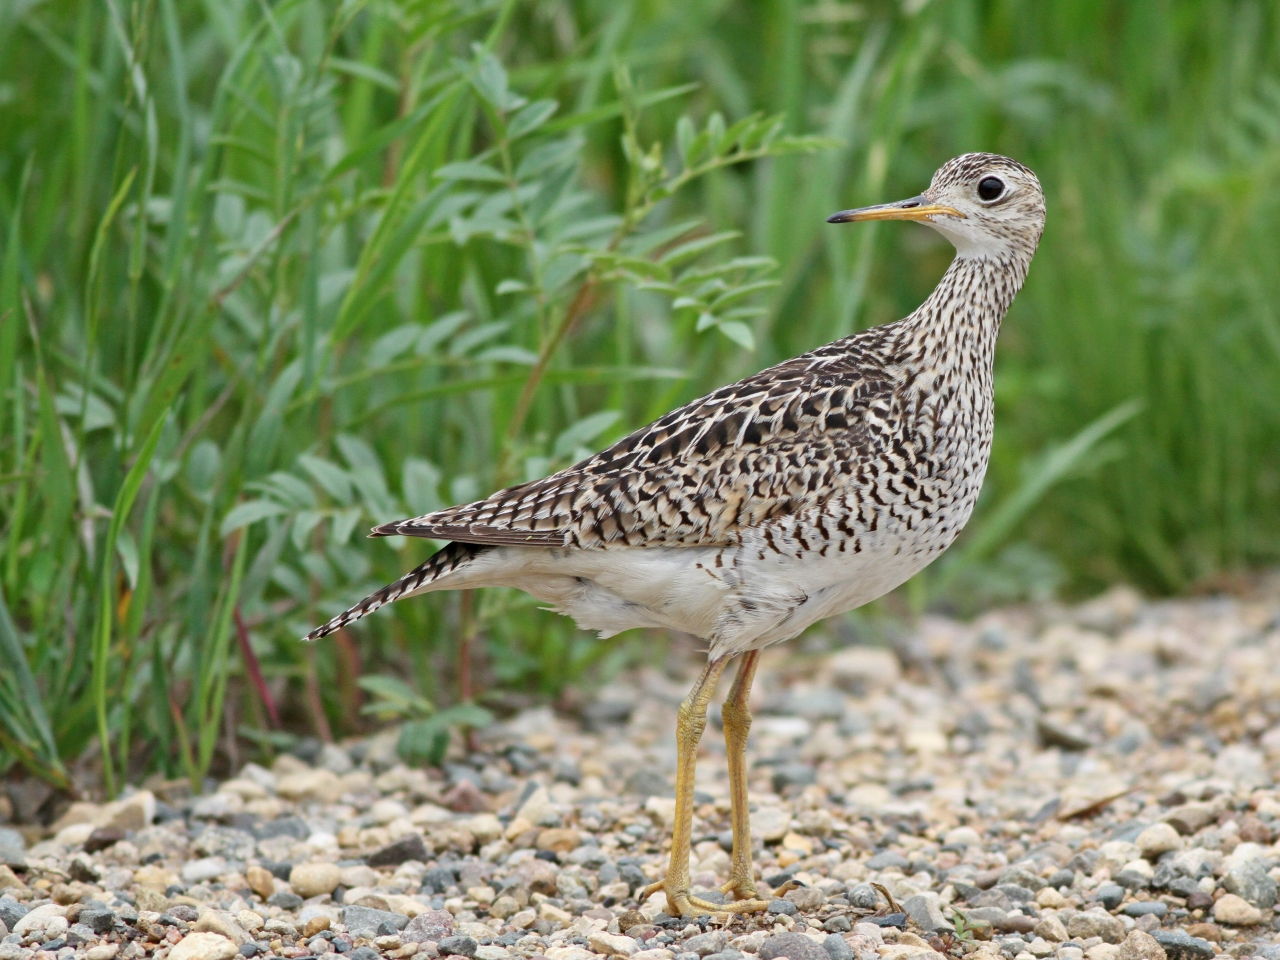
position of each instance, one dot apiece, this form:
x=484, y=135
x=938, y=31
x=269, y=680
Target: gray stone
x=647, y=782
x=993, y=898
x=407, y=848
x=992, y=916
x=591, y=857
x=1190, y=817
x=294, y=828
x=79, y=934
x=793, y=775
x=570, y=887
x=1248, y=879
x=102, y=838
x=334, y=759
x=1182, y=946
x=202, y=869
x=459, y=946
x=1022, y=877
x=1110, y=895
x=1095, y=923
x=98, y=919
x=440, y=879
x=364, y=953
x=864, y=896
x=1143, y=908
x=13, y=848
x=837, y=948
x=1015, y=892
x=11, y=911
x=783, y=907
x=370, y=923
x=886, y=859
x=837, y=924
x=224, y=842
x=285, y=900
x=806, y=899
x=925, y=911
x=216, y=806
x=1132, y=880
x=821, y=703
x=705, y=943
x=430, y=925
x=792, y=946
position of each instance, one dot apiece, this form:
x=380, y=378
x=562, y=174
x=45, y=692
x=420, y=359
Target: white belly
x=737, y=598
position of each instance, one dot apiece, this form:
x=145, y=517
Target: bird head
x=987, y=205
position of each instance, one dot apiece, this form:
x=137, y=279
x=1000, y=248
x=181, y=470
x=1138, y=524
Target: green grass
x=272, y=272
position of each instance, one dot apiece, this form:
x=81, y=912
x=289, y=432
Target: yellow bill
x=916, y=208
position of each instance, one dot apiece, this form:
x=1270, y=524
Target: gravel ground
x=1096, y=782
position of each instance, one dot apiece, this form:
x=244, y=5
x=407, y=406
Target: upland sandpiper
x=804, y=491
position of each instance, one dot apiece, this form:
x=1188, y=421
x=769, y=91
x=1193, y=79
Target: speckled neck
x=956, y=326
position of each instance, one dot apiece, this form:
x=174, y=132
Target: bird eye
x=990, y=188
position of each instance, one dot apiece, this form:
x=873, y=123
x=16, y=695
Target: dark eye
x=990, y=188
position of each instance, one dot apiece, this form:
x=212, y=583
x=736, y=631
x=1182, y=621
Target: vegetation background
x=273, y=271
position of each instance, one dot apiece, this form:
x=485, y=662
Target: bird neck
x=956, y=326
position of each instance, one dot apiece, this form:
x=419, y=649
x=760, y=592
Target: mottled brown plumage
x=801, y=492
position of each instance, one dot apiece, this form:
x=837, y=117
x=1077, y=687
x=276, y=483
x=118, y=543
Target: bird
x=748, y=514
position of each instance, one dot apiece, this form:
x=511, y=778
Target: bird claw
x=742, y=888
x=680, y=903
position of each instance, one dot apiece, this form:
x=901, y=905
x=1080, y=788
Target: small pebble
x=314, y=879
x=458, y=946
x=1236, y=911
x=792, y=946
x=1157, y=839
x=1179, y=945
x=203, y=946
x=1110, y=895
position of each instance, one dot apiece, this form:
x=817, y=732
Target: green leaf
x=741, y=292
x=584, y=431
x=344, y=524
x=691, y=248
x=393, y=695
x=330, y=476
x=530, y=117
x=469, y=170
x=127, y=550
x=684, y=138
x=738, y=332
x=491, y=82
x=301, y=525
x=546, y=155
x=251, y=511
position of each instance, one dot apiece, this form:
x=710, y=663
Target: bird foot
x=744, y=888
x=681, y=903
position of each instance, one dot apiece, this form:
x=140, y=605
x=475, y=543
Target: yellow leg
x=690, y=722
x=737, y=725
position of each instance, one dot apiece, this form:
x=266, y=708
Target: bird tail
x=438, y=565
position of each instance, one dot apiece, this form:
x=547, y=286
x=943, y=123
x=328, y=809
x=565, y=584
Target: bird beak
x=916, y=208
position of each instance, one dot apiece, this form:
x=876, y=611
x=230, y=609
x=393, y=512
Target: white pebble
x=1157, y=839
x=203, y=946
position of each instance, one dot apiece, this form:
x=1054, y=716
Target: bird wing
x=760, y=449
